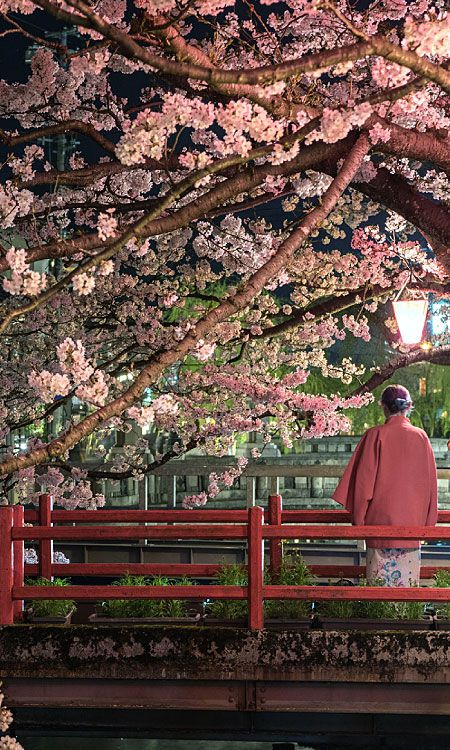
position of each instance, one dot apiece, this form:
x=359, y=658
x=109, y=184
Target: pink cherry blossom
x=204, y=350
x=379, y=134
x=430, y=37
x=197, y=259
x=84, y=284
x=195, y=501
x=143, y=415
x=49, y=385
x=95, y=390
x=106, y=225
x=10, y=743
x=72, y=359
x=23, y=280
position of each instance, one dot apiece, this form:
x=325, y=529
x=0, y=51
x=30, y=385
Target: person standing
x=391, y=480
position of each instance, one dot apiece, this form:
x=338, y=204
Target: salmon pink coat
x=391, y=480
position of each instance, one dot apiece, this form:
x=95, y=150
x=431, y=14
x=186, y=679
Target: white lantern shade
x=410, y=316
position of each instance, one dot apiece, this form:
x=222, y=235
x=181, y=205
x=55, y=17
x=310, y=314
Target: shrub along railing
x=253, y=526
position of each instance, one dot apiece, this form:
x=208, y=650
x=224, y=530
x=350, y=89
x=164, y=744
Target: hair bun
x=402, y=403
x=396, y=398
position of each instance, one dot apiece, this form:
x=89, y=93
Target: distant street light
x=410, y=316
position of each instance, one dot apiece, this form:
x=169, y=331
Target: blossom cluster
x=430, y=37
x=204, y=350
x=359, y=327
x=205, y=262
x=106, y=224
x=146, y=135
x=10, y=743
x=31, y=557
x=73, y=491
x=49, y=385
x=5, y=714
x=243, y=124
x=6, y=719
x=143, y=415
x=337, y=123
x=77, y=374
x=23, y=280
x=95, y=390
x=226, y=478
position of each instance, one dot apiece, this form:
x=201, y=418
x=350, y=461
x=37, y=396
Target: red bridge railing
x=253, y=526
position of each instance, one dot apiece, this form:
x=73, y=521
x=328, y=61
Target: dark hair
x=396, y=398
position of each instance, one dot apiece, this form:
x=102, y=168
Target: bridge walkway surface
x=368, y=689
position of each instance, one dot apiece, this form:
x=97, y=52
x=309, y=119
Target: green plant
x=372, y=610
x=293, y=572
x=341, y=609
x=375, y=609
x=118, y=608
x=442, y=581
x=229, y=609
x=51, y=607
x=410, y=610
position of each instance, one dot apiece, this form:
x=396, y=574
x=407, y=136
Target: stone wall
x=297, y=492
x=304, y=492
x=202, y=653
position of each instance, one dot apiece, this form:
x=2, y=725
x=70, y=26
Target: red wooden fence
x=252, y=525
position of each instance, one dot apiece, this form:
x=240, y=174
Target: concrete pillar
x=316, y=486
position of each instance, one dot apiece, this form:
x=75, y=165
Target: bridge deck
x=192, y=677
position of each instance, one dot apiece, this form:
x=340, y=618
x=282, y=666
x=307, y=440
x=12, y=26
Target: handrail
x=169, y=516
x=230, y=531
x=184, y=531
x=253, y=525
x=142, y=516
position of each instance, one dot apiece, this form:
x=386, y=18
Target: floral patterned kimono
x=391, y=481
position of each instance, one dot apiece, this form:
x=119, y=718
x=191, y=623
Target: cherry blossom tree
x=252, y=182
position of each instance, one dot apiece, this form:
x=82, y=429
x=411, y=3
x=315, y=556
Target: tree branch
x=228, y=307
x=399, y=55
x=438, y=356
x=256, y=76
x=243, y=181
x=133, y=231
x=337, y=304
x=414, y=144
x=76, y=126
x=392, y=191
x=396, y=193
x=88, y=175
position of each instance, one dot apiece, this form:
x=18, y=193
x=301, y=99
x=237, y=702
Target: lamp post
x=410, y=316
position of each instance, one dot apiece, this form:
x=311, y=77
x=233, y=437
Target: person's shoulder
x=372, y=433
x=418, y=431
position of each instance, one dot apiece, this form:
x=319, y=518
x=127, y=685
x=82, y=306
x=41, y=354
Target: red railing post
x=18, y=560
x=275, y=545
x=45, y=545
x=6, y=565
x=255, y=568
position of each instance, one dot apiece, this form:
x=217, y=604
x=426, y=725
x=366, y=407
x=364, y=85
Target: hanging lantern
x=422, y=387
x=410, y=316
